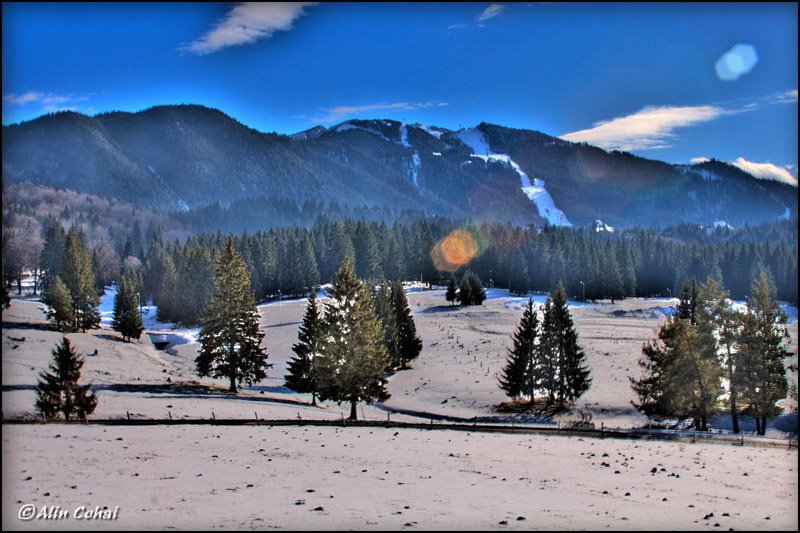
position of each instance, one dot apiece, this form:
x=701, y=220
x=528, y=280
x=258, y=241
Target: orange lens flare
x=454, y=251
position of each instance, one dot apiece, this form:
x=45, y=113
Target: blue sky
x=666, y=81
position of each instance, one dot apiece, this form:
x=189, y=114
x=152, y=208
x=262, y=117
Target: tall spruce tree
x=127, y=318
x=763, y=352
x=726, y=323
x=300, y=373
x=59, y=304
x=230, y=341
x=384, y=307
x=409, y=345
x=560, y=345
x=520, y=375
x=354, y=359
x=58, y=391
x=77, y=274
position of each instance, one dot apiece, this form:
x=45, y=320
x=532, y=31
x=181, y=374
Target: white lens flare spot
x=737, y=61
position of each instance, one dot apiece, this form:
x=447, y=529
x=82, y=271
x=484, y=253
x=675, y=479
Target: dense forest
x=175, y=264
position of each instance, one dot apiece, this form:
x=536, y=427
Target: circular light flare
x=454, y=251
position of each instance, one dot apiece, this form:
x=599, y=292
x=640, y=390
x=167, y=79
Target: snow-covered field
x=373, y=478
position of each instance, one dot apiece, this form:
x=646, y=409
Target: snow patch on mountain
x=415, y=168
x=404, y=136
x=345, y=126
x=599, y=226
x=536, y=191
x=430, y=130
x=707, y=175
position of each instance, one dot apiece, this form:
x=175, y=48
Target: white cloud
x=248, y=22
x=766, y=171
x=340, y=112
x=22, y=99
x=47, y=102
x=491, y=12
x=698, y=160
x=649, y=129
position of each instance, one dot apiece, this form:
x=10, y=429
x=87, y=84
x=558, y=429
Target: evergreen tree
x=465, y=291
x=476, y=288
x=127, y=318
x=77, y=274
x=763, y=352
x=687, y=300
x=451, y=295
x=59, y=304
x=351, y=367
x=230, y=341
x=520, y=376
x=300, y=374
x=725, y=323
x=681, y=372
x=384, y=307
x=471, y=291
x=560, y=344
x=50, y=258
x=409, y=345
x=59, y=392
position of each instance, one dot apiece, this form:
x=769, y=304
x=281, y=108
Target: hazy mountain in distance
x=189, y=156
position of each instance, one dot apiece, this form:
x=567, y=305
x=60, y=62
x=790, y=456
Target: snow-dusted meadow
x=193, y=477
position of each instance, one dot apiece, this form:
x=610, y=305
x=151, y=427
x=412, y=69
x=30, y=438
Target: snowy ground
x=187, y=477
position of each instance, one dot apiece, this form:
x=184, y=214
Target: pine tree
x=681, y=373
x=476, y=288
x=520, y=376
x=725, y=323
x=230, y=341
x=560, y=343
x=77, y=274
x=763, y=352
x=59, y=392
x=465, y=291
x=687, y=300
x=451, y=295
x=351, y=368
x=409, y=345
x=127, y=318
x=300, y=374
x=384, y=307
x=59, y=304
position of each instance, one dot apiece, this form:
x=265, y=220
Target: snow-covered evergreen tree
x=230, y=341
x=354, y=359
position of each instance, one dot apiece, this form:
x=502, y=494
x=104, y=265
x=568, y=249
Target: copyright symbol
x=27, y=511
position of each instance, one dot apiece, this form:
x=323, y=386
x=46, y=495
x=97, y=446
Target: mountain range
x=185, y=157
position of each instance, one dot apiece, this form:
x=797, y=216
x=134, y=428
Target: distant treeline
x=176, y=263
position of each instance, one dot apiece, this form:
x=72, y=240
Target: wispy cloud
x=654, y=127
x=766, y=171
x=47, y=102
x=248, y=22
x=338, y=113
x=649, y=129
x=698, y=160
x=491, y=12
